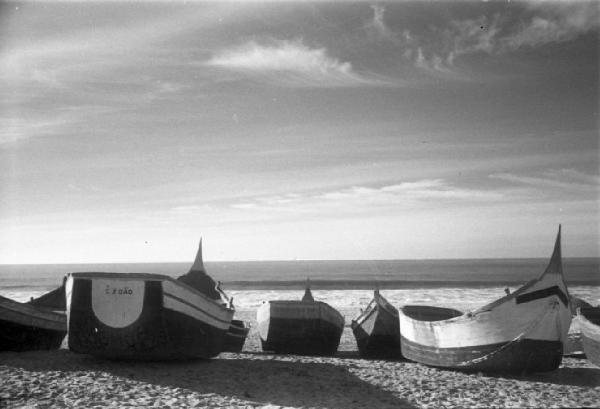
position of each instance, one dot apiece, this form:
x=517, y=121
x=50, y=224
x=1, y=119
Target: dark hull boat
x=589, y=323
x=377, y=329
x=236, y=336
x=144, y=316
x=38, y=324
x=304, y=327
x=523, y=331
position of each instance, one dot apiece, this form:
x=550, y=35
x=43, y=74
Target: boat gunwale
x=586, y=324
x=148, y=277
x=448, y=320
x=28, y=309
x=469, y=315
x=318, y=304
x=29, y=316
x=371, y=309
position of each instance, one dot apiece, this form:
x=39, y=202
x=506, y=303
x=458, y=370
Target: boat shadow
x=585, y=377
x=342, y=355
x=251, y=378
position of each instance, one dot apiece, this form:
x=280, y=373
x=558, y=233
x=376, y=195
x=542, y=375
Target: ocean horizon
x=324, y=274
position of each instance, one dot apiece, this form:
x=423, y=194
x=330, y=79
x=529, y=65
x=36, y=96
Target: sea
x=347, y=285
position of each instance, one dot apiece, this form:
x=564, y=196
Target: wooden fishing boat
x=377, y=329
x=236, y=336
x=522, y=331
x=38, y=324
x=306, y=327
x=574, y=345
x=145, y=316
x=589, y=323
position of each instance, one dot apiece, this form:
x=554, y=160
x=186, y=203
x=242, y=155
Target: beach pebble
x=256, y=380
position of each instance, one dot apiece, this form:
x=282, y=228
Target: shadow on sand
x=565, y=375
x=263, y=380
x=587, y=377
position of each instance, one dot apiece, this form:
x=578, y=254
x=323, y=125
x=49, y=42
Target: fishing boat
x=146, y=316
x=377, y=329
x=38, y=324
x=522, y=331
x=574, y=345
x=589, y=323
x=236, y=336
x=305, y=327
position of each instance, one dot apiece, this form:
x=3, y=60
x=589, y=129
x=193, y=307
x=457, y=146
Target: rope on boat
x=533, y=325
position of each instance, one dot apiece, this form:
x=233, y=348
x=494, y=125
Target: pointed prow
x=555, y=264
x=198, y=263
x=557, y=243
x=307, y=293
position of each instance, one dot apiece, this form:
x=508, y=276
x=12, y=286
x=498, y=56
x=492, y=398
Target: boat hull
x=18, y=338
x=522, y=356
x=299, y=327
x=236, y=336
x=377, y=330
x=591, y=347
x=503, y=339
x=153, y=318
x=525, y=331
x=590, y=334
x=25, y=327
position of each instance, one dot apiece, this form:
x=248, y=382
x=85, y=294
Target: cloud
x=377, y=23
x=18, y=129
x=17, y=126
x=436, y=48
x=472, y=36
x=79, y=53
x=561, y=179
x=291, y=63
x=285, y=56
x=353, y=199
x=433, y=64
x=412, y=191
x=553, y=23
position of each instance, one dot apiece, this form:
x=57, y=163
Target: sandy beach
x=253, y=379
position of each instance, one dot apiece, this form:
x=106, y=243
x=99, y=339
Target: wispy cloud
x=20, y=129
x=433, y=63
x=413, y=48
x=562, y=179
x=365, y=198
x=472, y=36
x=554, y=22
x=19, y=126
x=79, y=54
x=436, y=49
x=291, y=63
x=377, y=23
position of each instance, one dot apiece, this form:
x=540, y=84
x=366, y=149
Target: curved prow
x=198, y=262
x=307, y=293
x=555, y=264
x=199, y=280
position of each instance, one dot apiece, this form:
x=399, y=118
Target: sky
x=297, y=130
